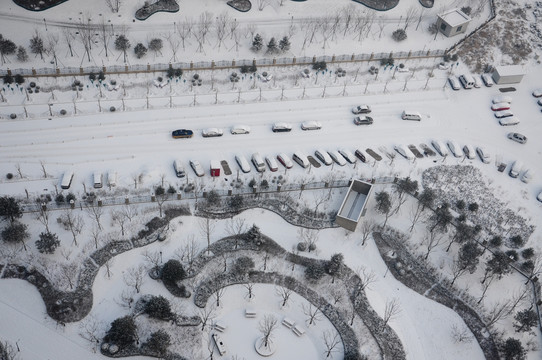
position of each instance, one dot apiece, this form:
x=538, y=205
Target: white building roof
x=455, y=17
x=510, y=70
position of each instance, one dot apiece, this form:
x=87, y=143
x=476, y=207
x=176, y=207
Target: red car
x=500, y=106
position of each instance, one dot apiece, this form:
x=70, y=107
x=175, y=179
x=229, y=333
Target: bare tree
x=366, y=276
x=206, y=315
x=19, y=171
x=497, y=312
x=43, y=216
x=410, y=16
x=74, y=223
x=461, y=334
x=235, y=227
x=367, y=228
x=105, y=34
x=129, y=211
x=431, y=241
x=108, y=264
x=218, y=295
x=184, y=30
x=381, y=25
x=85, y=37
x=96, y=235
x=391, y=311
x=518, y=298
x=221, y=24
x=485, y=286
x=69, y=38
x=69, y=273
x=189, y=251
x=52, y=46
x=337, y=295
x=160, y=200
x=207, y=227
x=119, y=219
x=134, y=276
x=153, y=258
x=318, y=199
x=312, y=312
x=284, y=293
x=92, y=329
x=43, y=171
x=458, y=270
x=95, y=212
x=225, y=256
x=331, y=340
x=8, y=352
x=309, y=237
x=262, y=4
x=126, y=298
x=266, y=327
x=114, y=5
x=250, y=290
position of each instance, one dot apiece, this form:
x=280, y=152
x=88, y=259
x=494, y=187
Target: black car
x=182, y=134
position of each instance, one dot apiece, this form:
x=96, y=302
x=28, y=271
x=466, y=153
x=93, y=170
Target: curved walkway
x=420, y=279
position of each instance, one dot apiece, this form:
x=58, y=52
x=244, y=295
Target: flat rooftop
x=455, y=17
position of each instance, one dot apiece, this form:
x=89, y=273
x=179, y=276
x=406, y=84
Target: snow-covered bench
x=299, y=331
x=218, y=326
x=289, y=323
x=250, y=313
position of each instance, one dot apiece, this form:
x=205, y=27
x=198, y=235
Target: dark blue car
x=182, y=133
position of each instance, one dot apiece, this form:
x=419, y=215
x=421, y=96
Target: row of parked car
x=501, y=110
x=469, y=81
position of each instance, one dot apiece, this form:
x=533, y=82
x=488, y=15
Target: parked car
x=477, y=82
x=300, y=158
x=323, y=156
x=537, y=93
x=469, y=151
x=483, y=154
x=272, y=163
x=509, y=121
x=527, y=176
x=500, y=106
x=282, y=127
x=501, y=99
x=404, y=152
x=240, y=129
x=258, y=162
x=243, y=163
x=488, y=80
x=363, y=120
x=196, y=166
x=454, y=83
x=455, y=149
x=515, y=169
x=361, y=155
x=347, y=154
x=338, y=158
x=517, y=137
x=311, y=125
x=285, y=160
x=503, y=114
x=539, y=196
x=212, y=132
x=440, y=147
x=361, y=109
x=539, y=102
x=182, y=134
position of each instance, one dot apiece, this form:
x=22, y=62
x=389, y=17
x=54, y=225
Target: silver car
x=517, y=137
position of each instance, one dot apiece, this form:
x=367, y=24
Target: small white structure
x=453, y=22
x=250, y=313
x=353, y=206
x=509, y=74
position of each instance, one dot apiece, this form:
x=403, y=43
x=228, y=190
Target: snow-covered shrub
x=9, y=176
x=399, y=35
x=319, y=65
x=302, y=246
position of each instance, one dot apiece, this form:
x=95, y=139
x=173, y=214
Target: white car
x=311, y=125
x=240, y=129
x=282, y=127
x=347, y=154
x=503, y=114
x=196, y=166
x=243, y=163
x=212, y=132
x=404, y=152
x=361, y=155
x=361, y=109
x=488, y=80
x=509, y=121
x=323, y=156
x=483, y=154
x=454, y=83
x=537, y=93
x=527, y=176
x=272, y=163
x=469, y=151
x=440, y=147
x=455, y=149
x=500, y=106
x=477, y=82
x=501, y=99
x=539, y=196
x=338, y=158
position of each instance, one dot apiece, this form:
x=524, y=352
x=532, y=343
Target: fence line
x=223, y=64
x=28, y=206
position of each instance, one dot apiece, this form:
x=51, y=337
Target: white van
x=527, y=176
x=112, y=179
x=243, y=163
x=501, y=99
x=179, y=168
x=509, y=121
x=440, y=147
x=404, y=152
x=67, y=179
x=455, y=149
x=98, y=180
x=411, y=115
x=300, y=158
x=467, y=81
x=516, y=169
x=257, y=160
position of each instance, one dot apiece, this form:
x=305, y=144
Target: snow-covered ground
x=137, y=143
